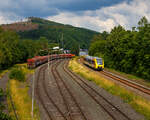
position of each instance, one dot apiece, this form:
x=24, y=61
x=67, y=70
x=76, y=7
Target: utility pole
x=62, y=42
x=79, y=50
x=34, y=74
x=48, y=62
x=64, y=52
x=33, y=95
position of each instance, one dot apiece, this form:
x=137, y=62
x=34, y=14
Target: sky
x=98, y=15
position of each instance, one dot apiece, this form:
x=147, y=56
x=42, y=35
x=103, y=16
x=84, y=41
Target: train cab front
x=100, y=68
x=100, y=64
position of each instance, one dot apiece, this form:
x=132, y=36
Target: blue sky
x=98, y=15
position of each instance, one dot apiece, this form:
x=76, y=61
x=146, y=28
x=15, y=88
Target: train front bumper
x=99, y=68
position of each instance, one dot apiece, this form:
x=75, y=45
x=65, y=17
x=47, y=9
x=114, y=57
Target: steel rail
x=51, y=117
x=39, y=95
x=94, y=98
x=128, y=83
x=70, y=93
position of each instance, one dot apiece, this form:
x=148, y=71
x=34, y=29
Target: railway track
x=52, y=108
x=114, y=112
x=127, y=82
x=73, y=109
x=41, y=97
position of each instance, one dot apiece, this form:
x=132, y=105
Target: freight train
x=38, y=60
x=94, y=62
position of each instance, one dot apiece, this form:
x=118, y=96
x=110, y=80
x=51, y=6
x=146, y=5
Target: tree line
x=13, y=50
x=125, y=50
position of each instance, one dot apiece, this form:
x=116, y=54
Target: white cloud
x=6, y=18
x=10, y=17
x=86, y=21
x=125, y=14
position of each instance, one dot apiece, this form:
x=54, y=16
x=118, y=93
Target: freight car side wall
x=38, y=60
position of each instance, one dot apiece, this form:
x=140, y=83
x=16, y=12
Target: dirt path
x=4, y=81
x=3, y=85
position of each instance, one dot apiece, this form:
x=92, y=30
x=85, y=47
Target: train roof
x=91, y=57
x=36, y=58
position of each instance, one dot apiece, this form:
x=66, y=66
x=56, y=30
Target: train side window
x=92, y=62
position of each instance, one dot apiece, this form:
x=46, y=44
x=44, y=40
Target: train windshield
x=99, y=61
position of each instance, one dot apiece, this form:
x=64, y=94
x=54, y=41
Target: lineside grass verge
x=140, y=104
x=19, y=92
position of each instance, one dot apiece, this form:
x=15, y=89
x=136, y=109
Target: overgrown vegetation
x=125, y=50
x=17, y=74
x=3, y=116
x=19, y=92
x=140, y=104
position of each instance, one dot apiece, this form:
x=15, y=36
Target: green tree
x=75, y=48
x=125, y=50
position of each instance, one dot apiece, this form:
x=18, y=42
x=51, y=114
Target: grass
x=20, y=97
x=140, y=104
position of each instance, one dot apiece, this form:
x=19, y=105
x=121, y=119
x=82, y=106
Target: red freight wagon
x=31, y=63
x=38, y=60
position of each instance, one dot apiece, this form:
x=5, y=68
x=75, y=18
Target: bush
x=17, y=74
x=1, y=92
x=4, y=116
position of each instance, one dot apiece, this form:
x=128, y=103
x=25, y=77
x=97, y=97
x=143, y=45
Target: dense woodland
x=13, y=50
x=125, y=50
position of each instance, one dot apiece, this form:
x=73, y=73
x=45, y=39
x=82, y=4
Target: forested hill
x=54, y=32
x=22, y=40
